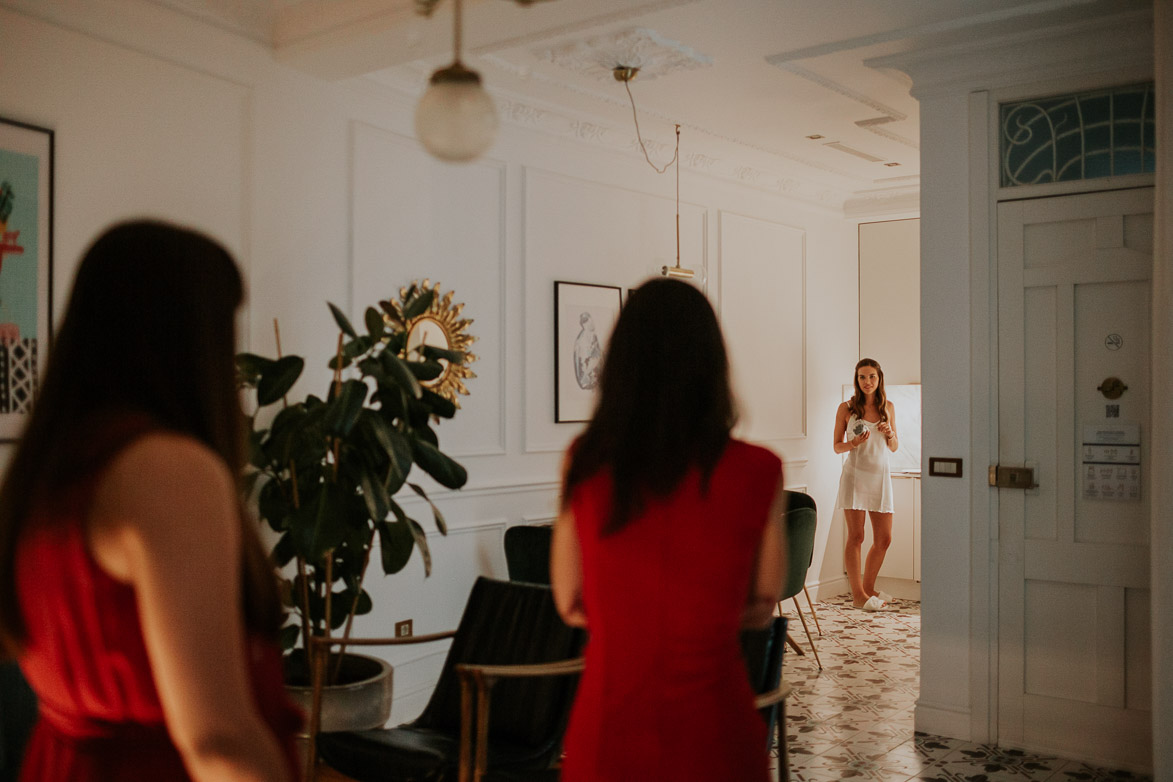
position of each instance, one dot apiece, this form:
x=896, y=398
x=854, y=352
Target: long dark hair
x=147, y=343
x=858, y=401
x=664, y=400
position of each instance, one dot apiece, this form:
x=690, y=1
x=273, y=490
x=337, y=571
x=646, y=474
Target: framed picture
x=584, y=315
x=26, y=267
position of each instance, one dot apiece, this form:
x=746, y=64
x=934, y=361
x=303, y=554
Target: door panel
x=1073, y=294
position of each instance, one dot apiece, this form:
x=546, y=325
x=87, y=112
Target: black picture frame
x=584, y=315
x=26, y=267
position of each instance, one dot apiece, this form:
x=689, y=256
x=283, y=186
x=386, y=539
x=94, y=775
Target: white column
x=1162, y=467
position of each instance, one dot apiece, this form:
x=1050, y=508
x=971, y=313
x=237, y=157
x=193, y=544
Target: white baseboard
x=938, y=720
x=821, y=590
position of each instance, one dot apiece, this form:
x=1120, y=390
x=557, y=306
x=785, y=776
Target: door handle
x=1012, y=477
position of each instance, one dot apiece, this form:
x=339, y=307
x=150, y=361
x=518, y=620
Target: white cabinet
x=903, y=558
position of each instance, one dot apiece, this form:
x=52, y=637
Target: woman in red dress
x=133, y=592
x=670, y=540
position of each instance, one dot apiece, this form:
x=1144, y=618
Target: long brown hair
x=147, y=343
x=858, y=401
x=664, y=400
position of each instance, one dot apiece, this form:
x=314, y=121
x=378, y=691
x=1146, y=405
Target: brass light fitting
x=625, y=73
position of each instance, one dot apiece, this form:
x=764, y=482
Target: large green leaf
x=278, y=378
x=250, y=367
x=290, y=634
x=342, y=321
x=321, y=522
x=375, y=323
x=438, y=405
x=421, y=540
x=351, y=350
x=395, y=544
x=398, y=372
x=425, y=370
x=441, y=524
x=273, y=505
x=446, y=471
x=345, y=407
x=374, y=494
x=419, y=305
x=396, y=446
x=435, y=353
x=284, y=550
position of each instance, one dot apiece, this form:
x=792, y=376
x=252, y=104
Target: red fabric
x=665, y=694
x=100, y=716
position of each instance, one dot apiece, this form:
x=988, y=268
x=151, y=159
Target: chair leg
x=789, y=638
x=783, y=745
x=811, y=603
x=802, y=617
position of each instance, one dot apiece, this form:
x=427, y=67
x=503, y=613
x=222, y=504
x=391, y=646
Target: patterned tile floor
x=854, y=719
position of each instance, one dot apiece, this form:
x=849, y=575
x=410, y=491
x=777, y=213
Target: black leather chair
x=527, y=552
x=18, y=714
x=762, y=651
x=505, y=623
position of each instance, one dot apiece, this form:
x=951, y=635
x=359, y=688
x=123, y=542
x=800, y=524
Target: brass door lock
x=1112, y=388
x=1012, y=477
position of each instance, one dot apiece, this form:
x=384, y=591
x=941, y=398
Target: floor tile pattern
x=854, y=719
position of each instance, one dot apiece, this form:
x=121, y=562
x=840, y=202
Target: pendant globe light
x=455, y=119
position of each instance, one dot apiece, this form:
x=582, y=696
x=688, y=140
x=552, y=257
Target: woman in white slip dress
x=865, y=430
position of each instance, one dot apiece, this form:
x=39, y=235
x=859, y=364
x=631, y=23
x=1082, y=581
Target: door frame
x=984, y=197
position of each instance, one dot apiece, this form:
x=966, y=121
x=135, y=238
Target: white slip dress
x=866, y=483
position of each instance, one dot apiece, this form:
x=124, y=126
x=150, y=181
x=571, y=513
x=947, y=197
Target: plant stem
x=354, y=605
x=305, y=589
x=329, y=601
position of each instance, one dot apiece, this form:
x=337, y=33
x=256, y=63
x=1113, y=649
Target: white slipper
x=873, y=603
x=887, y=598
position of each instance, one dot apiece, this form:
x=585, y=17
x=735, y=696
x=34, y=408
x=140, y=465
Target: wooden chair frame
x=476, y=684
x=320, y=647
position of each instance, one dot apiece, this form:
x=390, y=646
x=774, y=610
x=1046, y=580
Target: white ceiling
x=749, y=81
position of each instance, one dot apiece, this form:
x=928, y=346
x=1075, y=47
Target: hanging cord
x=676, y=159
x=625, y=75
x=635, y=116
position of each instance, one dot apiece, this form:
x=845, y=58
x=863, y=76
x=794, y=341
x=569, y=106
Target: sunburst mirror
x=427, y=318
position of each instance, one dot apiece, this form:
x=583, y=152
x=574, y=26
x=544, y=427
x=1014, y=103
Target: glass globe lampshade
x=455, y=119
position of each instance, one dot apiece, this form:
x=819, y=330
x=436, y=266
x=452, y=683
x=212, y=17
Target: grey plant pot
x=362, y=704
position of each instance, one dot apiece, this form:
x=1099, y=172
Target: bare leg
x=881, y=539
x=851, y=555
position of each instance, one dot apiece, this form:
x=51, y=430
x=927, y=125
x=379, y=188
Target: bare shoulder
x=842, y=410
x=163, y=474
x=891, y=408
x=164, y=493
x=166, y=459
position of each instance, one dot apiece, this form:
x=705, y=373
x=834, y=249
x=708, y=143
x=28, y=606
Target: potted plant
x=325, y=470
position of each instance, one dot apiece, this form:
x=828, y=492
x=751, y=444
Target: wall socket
x=403, y=629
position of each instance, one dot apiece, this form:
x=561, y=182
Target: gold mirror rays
x=439, y=326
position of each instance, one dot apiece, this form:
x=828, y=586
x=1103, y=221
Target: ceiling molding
x=617, y=98
x=552, y=121
x=1087, y=45
x=638, y=47
x=932, y=29
x=871, y=124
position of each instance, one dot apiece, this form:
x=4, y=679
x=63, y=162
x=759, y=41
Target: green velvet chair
x=801, y=523
x=527, y=552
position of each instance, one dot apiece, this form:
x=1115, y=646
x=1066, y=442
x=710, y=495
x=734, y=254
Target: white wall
x=889, y=299
x=323, y=194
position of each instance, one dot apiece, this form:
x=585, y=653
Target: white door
x=1073, y=570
